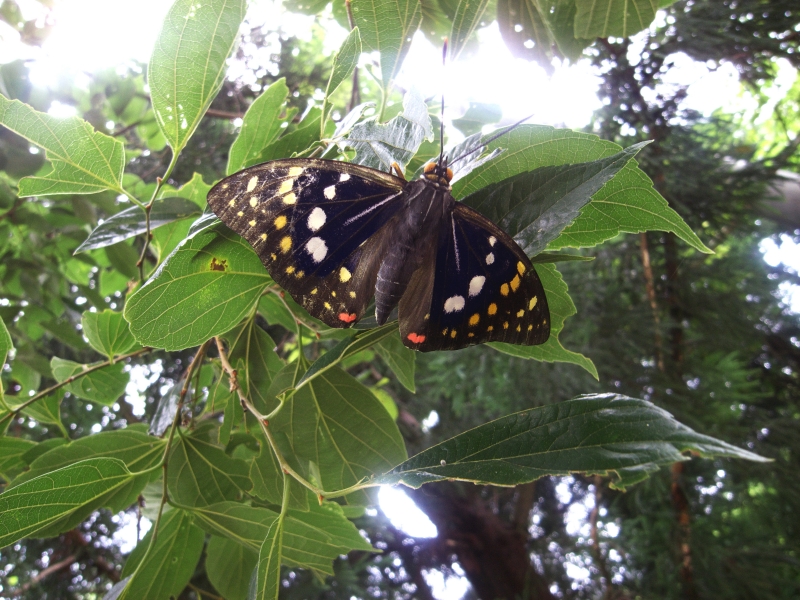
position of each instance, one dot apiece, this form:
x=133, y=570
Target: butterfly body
x=334, y=235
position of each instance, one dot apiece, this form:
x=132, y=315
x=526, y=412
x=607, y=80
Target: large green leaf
x=104, y=385
x=59, y=500
x=312, y=538
x=467, y=18
x=561, y=307
x=131, y=222
x=6, y=346
x=229, y=567
x=188, y=63
x=12, y=450
x=628, y=203
x=84, y=161
x=270, y=558
x=171, y=562
x=204, y=288
x=108, y=332
x=625, y=203
x=535, y=207
x=603, y=434
x=200, y=472
x=387, y=26
x=524, y=30
x=137, y=451
x=617, y=18
x=260, y=125
x=399, y=359
x=378, y=145
x=337, y=426
x=296, y=141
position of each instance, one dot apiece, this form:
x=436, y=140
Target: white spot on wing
x=330, y=192
x=476, y=285
x=490, y=258
x=344, y=176
x=316, y=219
x=251, y=185
x=317, y=248
x=492, y=240
x=454, y=304
x=253, y=201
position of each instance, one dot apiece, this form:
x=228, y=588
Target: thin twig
x=69, y=380
x=651, y=297
x=43, y=574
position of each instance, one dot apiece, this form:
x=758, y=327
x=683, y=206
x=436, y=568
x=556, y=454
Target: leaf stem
x=69, y=380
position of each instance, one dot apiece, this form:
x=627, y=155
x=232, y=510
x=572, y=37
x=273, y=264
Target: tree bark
x=491, y=551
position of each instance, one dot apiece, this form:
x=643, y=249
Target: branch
x=43, y=574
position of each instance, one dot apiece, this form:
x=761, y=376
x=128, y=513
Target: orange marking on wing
x=348, y=318
x=415, y=339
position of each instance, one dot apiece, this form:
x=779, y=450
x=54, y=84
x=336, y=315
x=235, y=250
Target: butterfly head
x=439, y=173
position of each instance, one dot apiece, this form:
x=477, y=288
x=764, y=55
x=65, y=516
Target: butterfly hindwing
x=481, y=287
x=313, y=224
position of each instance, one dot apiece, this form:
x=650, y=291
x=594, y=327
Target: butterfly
x=335, y=234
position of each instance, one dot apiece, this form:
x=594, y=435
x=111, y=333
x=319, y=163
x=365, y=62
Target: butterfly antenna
x=441, y=134
x=491, y=139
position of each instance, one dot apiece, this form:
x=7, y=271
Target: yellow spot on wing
x=232, y=202
x=530, y=327
x=314, y=291
x=453, y=333
x=295, y=171
x=473, y=320
x=252, y=223
x=533, y=302
x=520, y=312
x=251, y=185
x=504, y=289
x=289, y=270
x=263, y=237
x=253, y=201
x=344, y=275
x=280, y=222
x=299, y=274
x=492, y=309
x=333, y=293
x=352, y=294
x=290, y=198
x=327, y=305
x=490, y=328
x=240, y=214
x=286, y=244
x=470, y=334
x=286, y=187
x=505, y=325
x=514, y=283
x=444, y=331
x=521, y=268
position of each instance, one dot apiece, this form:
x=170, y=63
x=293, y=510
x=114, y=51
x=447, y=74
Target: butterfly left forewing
x=313, y=224
x=482, y=288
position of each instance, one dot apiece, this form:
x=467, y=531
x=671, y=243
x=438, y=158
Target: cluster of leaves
x=258, y=446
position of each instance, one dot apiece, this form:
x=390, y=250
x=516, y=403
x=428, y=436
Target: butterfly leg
x=397, y=170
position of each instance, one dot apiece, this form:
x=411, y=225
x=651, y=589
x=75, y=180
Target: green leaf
x=266, y=475
x=84, y=161
x=616, y=18
x=561, y=307
x=108, y=332
x=195, y=190
x=628, y=203
x=204, y=288
x=229, y=567
x=525, y=31
x=344, y=63
x=312, y=538
x=534, y=207
x=347, y=347
x=387, y=26
x=477, y=116
x=594, y=434
x=137, y=451
x=188, y=64
x=12, y=450
x=270, y=557
x=200, y=473
x=6, y=346
x=104, y=386
x=296, y=141
x=47, y=410
x=399, y=359
x=467, y=18
x=59, y=500
x=131, y=222
x=625, y=203
x=170, y=564
x=378, y=145
x=252, y=352
x=335, y=426
x=260, y=125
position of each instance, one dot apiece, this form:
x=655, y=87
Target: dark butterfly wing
x=313, y=224
x=477, y=287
